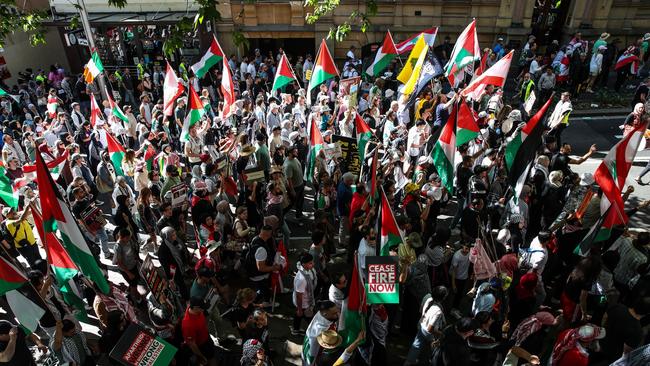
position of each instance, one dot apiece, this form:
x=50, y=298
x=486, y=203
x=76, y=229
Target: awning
x=124, y=19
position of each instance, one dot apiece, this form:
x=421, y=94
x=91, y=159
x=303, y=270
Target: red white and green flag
x=14, y=285
x=57, y=215
x=391, y=235
x=466, y=127
x=628, y=59
x=495, y=75
x=316, y=144
x=611, y=176
x=363, y=135
x=444, y=151
x=172, y=89
x=212, y=56
x=466, y=51
x=149, y=156
x=7, y=192
x=324, y=69
x=408, y=44
x=354, y=308
x=385, y=54
x=116, y=111
x=4, y=93
x=284, y=75
x=194, y=115
x=63, y=267
x=227, y=90
x=95, y=111
x=116, y=153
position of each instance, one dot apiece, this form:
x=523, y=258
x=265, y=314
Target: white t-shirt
x=301, y=285
x=364, y=250
x=433, y=316
x=460, y=265
x=538, y=256
x=260, y=256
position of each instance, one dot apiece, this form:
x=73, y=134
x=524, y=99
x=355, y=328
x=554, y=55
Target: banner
x=382, y=284
x=137, y=347
x=349, y=153
x=179, y=196
x=332, y=151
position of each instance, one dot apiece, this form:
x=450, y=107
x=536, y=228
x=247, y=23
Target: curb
x=601, y=112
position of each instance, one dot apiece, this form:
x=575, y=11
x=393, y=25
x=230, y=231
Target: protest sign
x=179, y=195
x=382, y=286
x=332, y=151
x=153, y=277
x=254, y=175
x=137, y=347
x=349, y=153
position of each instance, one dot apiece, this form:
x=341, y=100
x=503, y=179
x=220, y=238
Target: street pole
x=83, y=14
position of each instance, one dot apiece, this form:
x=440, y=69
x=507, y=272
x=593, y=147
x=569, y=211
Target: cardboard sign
x=345, y=85
x=254, y=175
x=332, y=151
x=382, y=284
x=153, y=277
x=179, y=195
x=530, y=102
x=137, y=347
x=221, y=163
x=349, y=153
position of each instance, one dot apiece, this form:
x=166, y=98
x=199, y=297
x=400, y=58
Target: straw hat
x=414, y=240
x=247, y=150
x=276, y=169
x=605, y=35
x=329, y=339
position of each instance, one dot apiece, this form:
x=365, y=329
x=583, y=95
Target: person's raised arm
x=583, y=158
x=10, y=349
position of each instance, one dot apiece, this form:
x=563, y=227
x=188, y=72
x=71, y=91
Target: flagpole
x=44, y=238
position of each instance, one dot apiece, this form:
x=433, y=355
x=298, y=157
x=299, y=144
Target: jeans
x=421, y=341
x=102, y=237
x=459, y=211
x=261, y=288
x=300, y=200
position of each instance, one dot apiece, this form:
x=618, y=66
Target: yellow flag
x=409, y=65
x=411, y=84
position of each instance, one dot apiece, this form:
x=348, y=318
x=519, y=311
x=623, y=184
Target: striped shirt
x=631, y=259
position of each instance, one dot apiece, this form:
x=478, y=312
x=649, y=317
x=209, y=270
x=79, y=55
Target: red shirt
x=357, y=201
x=195, y=326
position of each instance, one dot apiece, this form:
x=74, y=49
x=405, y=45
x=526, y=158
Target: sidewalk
x=591, y=112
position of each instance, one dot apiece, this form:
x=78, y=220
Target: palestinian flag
x=172, y=89
x=466, y=127
x=364, y=133
x=324, y=69
x=466, y=51
x=93, y=68
x=495, y=75
x=7, y=193
x=116, y=111
x=4, y=93
x=391, y=235
x=407, y=45
x=57, y=215
x=95, y=111
x=316, y=144
x=149, y=156
x=21, y=296
x=628, y=59
x=521, y=149
x=444, y=151
x=116, y=152
x=195, y=114
x=227, y=90
x=355, y=307
x=611, y=176
x=212, y=56
x=284, y=75
x=385, y=54
x=409, y=65
x=63, y=267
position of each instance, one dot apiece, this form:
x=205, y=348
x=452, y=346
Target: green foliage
x=74, y=22
x=240, y=40
x=117, y=3
x=356, y=18
x=177, y=34
x=30, y=22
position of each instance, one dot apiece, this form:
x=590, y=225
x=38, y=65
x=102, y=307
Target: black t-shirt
x=240, y=314
x=560, y=162
x=22, y=355
x=642, y=89
x=462, y=180
x=621, y=328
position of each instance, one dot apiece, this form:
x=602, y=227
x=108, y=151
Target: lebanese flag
x=324, y=69
x=63, y=267
x=23, y=300
x=495, y=75
x=95, y=111
x=466, y=51
x=316, y=143
x=385, y=54
x=116, y=153
x=483, y=65
x=611, y=176
x=284, y=75
x=172, y=89
x=57, y=215
x=444, y=151
x=520, y=151
x=353, y=313
x=228, y=91
x=563, y=74
x=212, y=56
x=628, y=59
x=466, y=128
x=363, y=135
x=391, y=235
x=407, y=45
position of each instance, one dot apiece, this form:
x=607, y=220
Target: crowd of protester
x=495, y=283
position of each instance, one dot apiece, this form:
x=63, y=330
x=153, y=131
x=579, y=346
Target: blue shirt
x=442, y=114
x=499, y=50
x=343, y=199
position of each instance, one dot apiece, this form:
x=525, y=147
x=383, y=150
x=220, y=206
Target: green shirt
x=199, y=290
x=597, y=44
x=293, y=172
